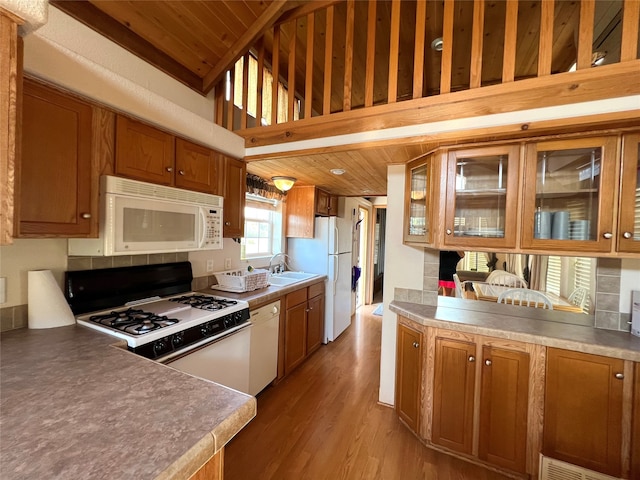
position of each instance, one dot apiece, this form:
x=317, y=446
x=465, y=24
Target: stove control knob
x=205, y=329
x=177, y=339
x=159, y=347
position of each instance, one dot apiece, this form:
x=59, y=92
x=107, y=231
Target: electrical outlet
x=209, y=265
x=227, y=263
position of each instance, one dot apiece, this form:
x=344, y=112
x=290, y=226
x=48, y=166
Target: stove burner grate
x=204, y=302
x=133, y=321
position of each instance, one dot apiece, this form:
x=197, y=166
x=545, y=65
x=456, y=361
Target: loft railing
x=356, y=54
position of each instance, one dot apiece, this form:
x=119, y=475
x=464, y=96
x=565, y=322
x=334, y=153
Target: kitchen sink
x=288, y=278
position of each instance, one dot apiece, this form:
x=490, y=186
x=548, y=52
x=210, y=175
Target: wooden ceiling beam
x=106, y=26
x=244, y=43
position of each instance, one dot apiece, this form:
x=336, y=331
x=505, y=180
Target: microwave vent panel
x=124, y=186
x=552, y=469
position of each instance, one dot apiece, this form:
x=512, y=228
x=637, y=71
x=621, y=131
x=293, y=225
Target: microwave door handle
x=203, y=227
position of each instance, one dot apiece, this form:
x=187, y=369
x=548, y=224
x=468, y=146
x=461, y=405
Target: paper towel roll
x=47, y=305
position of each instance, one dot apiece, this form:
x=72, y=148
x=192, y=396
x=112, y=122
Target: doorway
x=362, y=226
x=376, y=278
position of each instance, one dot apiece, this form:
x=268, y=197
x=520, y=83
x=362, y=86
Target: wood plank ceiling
x=197, y=41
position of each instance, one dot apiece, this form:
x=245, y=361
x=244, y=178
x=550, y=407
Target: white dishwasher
x=263, y=364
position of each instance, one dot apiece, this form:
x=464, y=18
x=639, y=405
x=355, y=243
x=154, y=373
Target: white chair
x=524, y=296
x=459, y=291
x=507, y=279
x=579, y=297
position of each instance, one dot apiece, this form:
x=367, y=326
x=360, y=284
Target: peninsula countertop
x=538, y=327
x=75, y=406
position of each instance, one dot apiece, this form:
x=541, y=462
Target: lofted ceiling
x=197, y=41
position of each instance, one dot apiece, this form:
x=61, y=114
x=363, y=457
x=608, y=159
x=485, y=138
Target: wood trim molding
x=10, y=79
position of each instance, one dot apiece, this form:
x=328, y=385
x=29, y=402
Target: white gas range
x=162, y=328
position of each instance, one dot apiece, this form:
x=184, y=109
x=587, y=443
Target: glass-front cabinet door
x=629, y=222
x=569, y=195
x=418, y=208
x=482, y=197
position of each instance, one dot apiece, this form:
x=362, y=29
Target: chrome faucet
x=280, y=267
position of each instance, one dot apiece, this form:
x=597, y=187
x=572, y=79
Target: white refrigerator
x=328, y=253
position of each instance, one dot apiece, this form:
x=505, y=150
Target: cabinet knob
x=487, y=362
x=227, y=224
x=449, y=231
x=607, y=235
x=416, y=344
x=181, y=172
x=169, y=169
x=307, y=309
x=86, y=215
x=620, y=376
x=472, y=358
x=627, y=235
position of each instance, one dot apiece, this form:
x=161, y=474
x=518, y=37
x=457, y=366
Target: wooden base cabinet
x=212, y=470
x=303, y=324
x=583, y=415
x=472, y=395
x=504, y=399
x=409, y=376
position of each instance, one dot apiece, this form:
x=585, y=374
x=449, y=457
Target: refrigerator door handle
x=336, y=241
x=336, y=274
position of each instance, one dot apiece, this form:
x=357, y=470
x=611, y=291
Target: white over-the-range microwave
x=139, y=217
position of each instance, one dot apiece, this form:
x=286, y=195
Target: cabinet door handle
x=169, y=169
x=607, y=235
x=449, y=232
x=487, y=362
x=416, y=344
x=472, y=358
x=181, y=172
x=627, y=235
x=620, y=376
x=86, y=215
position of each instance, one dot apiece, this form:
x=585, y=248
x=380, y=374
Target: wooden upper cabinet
x=409, y=376
x=55, y=182
x=583, y=410
x=570, y=195
x=144, y=152
x=235, y=186
x=300, y=207
x=421, y=200
x=628, y=232
x=304, y=203
x=482, y=198
x=198, y=168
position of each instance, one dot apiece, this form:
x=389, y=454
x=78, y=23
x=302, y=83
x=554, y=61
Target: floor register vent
x=551, y=469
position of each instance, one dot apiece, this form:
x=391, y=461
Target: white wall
x=403, y=269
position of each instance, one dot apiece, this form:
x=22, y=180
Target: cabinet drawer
x=294, y=298
x=316, y=289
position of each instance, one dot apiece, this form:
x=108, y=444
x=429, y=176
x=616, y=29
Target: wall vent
x=552, y=469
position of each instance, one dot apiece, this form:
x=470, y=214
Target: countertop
x=267, y=294
x=496, y=321
x=75, y=406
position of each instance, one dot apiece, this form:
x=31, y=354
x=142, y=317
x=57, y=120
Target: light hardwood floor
x=323, y=422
